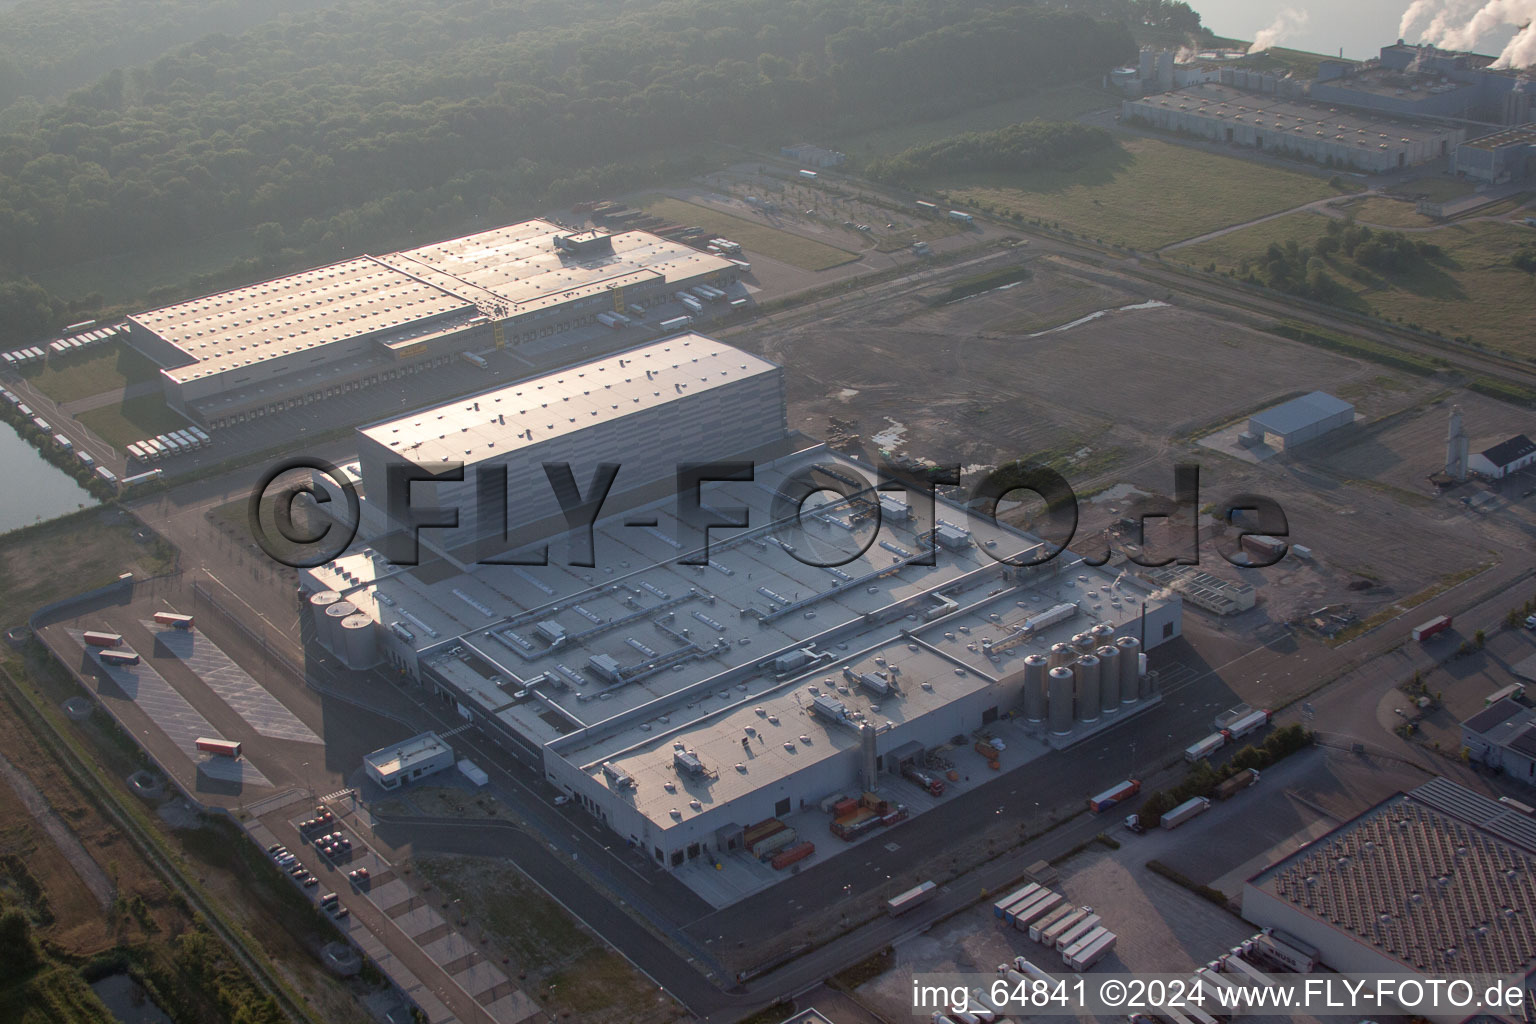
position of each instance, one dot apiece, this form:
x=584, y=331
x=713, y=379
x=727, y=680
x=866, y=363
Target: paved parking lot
x=265, y=713
x=461, y=960
x=173, y=715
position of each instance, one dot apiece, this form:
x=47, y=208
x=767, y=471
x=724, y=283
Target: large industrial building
x=258, y=350
x=1425, y=81
x=1508, y=154
x=647, y=409
x=1300, y=420
x=1438, y=881
x=1503, y=736
x=683, y=696
x=1326, y=134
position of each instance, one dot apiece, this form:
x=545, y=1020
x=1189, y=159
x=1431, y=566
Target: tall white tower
x=1456, y=447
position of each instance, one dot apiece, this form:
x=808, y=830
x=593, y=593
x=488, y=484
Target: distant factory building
x=409, y=760
x=1438, y=881
x=1505, y=155
x=1295, y=128
x=1504, y=458
x=1503, y=735
x=1301, y=419
x=1424, y=81
x=807, y=155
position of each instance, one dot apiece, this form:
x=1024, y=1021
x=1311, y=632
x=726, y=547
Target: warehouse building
x=1505, y=155
x=1300, y=420
x=683, y=399
x=1326, y=134
x=1414, y=81
x=1438, y=881
x=258, y=350
x=409, y=760
x=683, y=694
x=1503, y=736
x=1498, y=461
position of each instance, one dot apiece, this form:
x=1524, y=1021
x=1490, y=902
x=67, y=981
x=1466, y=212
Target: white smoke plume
x=1288, y=21
x=1462, y=25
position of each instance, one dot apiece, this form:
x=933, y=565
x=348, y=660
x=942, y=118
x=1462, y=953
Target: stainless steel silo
x=1130, y=669
x=1086, y=671
x=330, y=633
x=1109, y=678
x=1060, y=684
x=1061, y=655
x=359, y=642
x=318, y=603
x=1035, y=668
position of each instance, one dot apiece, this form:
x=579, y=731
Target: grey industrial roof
x=1304, y=118
x=479, y=427
x=1299, y=413
x=1517, y=135
x=1433, y=879
x=1506, y=453
x=505, y=271
x=753, y=601
x=399, y=757
x=1495, y=715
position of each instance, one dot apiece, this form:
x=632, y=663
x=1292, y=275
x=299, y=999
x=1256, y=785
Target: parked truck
x=174, y=619
x=1424, y=630
x=1286, y=951
x=1061, y=925
x=1090, y=951
x=914, y=897
x=1018, y=894
x=1236, y=784
x=961, y=216
x=1039, y=925
x=1022, y=919
x=1248, y=723
x=923, y=780
x=223, y=748
x=97, y=638
x=1186, y=810
x=692, y=304
x=1205, y=748
x=1115, y=794
x=118, y=656
x=1070, y=936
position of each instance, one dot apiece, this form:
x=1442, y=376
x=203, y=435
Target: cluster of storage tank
x=344, y=630
x=1080, y=681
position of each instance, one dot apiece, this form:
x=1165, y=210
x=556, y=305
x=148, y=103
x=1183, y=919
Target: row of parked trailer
x=60, y=346
x=1049, y=918
x=174, y=442
x=1249, y=722
x=86, y=458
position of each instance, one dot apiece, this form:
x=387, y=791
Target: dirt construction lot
x=1113, y=387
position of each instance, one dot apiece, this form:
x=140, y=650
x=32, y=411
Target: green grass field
x=1389, y=213
x=132, y=420
x=1145, y=193
x=1063, y=104
x=804, y=253
x=114, y=365
x=1472, y=291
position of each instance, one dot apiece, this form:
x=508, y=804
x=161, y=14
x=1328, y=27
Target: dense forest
x=1018, y=147
x=333, y=126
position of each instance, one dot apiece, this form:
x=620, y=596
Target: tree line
x=1016, y=147
x=359, y=121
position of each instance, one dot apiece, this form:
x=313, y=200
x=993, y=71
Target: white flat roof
x=406, y=754
x=469, y=430
x=291, y=314
x=520, y=264
x=507, y=270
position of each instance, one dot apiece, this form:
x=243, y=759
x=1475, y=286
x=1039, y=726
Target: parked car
x=358, y=874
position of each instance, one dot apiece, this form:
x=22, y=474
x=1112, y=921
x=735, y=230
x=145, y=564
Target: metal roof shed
x=1302, y=419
